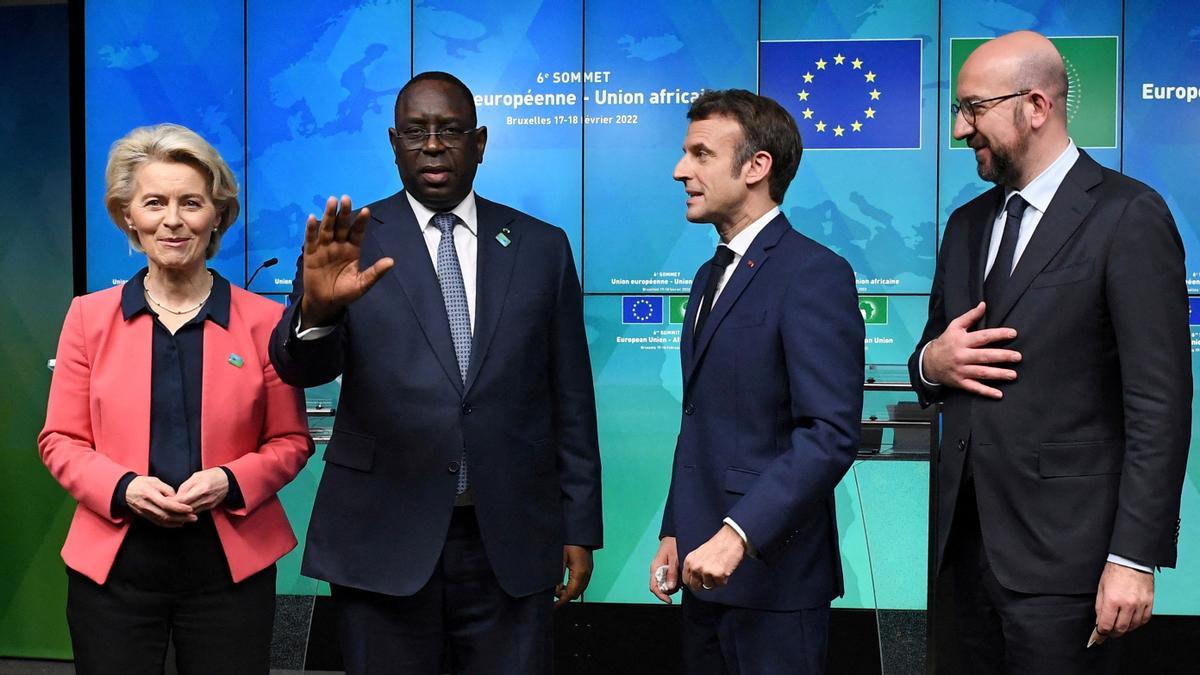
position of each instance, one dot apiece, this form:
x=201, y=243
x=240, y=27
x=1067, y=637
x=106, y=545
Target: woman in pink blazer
x=168, y=425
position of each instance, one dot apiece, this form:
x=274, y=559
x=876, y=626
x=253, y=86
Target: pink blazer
x=98, y=427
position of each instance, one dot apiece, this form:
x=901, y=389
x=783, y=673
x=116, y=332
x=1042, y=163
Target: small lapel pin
x=503, y=238
x=750, y=264
x=236, y=360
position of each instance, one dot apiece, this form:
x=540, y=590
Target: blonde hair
x=168, y=143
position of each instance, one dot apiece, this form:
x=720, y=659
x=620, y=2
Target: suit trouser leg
x=1004, y=631
x=719, y=639
x=116, y=628
x=171, y=585
x=461, y=617
x=226, y=629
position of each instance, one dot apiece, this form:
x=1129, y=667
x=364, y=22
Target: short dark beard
x=1004, y=170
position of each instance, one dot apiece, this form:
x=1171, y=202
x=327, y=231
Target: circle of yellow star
x=803, y=95
x=870, y=76
x=874, y=94
x=821, y=63
x=837, y=60
x=838, y=130
x=857, y=63
x=820, y=126
x=856, y=125
x=869, y=112
x=808, y=77
x=808, y=113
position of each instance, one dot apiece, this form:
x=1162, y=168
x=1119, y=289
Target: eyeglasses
x=972, y=109
x=415, y=138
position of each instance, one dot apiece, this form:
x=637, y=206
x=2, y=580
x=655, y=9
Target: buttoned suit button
x=452, y=467
x=689, y=409
x=466, y=408
x=962, y=445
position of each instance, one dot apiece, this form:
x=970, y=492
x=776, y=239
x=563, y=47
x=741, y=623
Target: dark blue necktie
x=716, y=270
x=997, y=279
x=454, y=293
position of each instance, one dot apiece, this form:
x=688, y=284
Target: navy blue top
x=176, y=383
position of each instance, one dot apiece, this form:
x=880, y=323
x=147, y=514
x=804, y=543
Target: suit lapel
x=399, y=236
x=1066, y=212
x=219, y=375
x=695, y=297
x=494, y=272
x=756, y=256
x=978, y=239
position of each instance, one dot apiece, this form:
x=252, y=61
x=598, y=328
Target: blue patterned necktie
x=454, y=292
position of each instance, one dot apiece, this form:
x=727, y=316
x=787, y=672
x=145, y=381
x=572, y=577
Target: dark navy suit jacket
x=526, y=414
x=772, y=402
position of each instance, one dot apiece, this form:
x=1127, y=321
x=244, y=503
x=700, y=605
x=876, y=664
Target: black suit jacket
x=1086, y=452
x=526, y=414
x=772, y=403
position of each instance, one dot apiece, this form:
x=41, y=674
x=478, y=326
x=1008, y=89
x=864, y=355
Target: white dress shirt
x=739, y=245
x=466, y=244
x=1038, y=194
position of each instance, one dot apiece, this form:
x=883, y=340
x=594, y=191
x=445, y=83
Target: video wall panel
x=147, y=63
x=1087, y=33
x=321, y=81
x=522, y=60
x=1161, y=141
x=643, y=74
x=861, y=83
x=585, y=106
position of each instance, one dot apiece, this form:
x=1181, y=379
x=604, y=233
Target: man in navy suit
x=772, y=354
x=463, y=474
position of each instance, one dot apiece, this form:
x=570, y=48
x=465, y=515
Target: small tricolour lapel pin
x=503, y=237
x=236, y=360
x=750, y=264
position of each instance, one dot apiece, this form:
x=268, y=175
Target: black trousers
x=1002, y=631
x=171, y=585
x=723, y=640
x=460, y=622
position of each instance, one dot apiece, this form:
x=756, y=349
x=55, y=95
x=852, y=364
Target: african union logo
x=847, y=94
x=874, y=309
x=641, y=309
x=678, y=308
x=1092, y=67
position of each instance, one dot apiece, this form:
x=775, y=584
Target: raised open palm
x=332, y=248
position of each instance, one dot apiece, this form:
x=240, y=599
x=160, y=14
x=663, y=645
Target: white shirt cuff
x=1126, y=562
x=314, y=333
x=921, y=367
x=753, y=552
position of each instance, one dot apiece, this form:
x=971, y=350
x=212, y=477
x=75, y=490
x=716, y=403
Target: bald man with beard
x=1058, y=342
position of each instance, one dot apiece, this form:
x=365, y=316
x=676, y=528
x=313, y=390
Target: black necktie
x=716, y=270
x=997, y=279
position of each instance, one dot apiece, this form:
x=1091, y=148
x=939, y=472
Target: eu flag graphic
x=847, y=94
x=641, y=309
x=1194, y=311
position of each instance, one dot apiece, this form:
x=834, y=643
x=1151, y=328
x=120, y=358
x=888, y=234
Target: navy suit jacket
x=526, y=414
x=772, y=403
